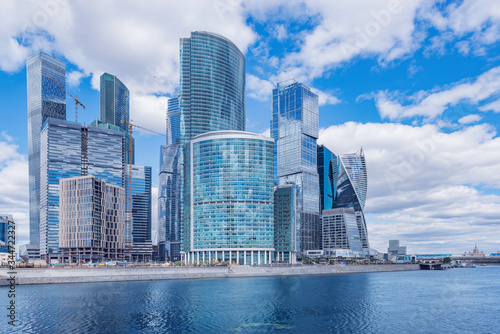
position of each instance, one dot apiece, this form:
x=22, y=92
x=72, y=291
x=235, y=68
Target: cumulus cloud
x=420, y=190
x=432, y=103
x=473, y=118
x=14, y=186
x=135, y=41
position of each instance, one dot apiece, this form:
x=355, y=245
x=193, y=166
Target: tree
x=447, y=259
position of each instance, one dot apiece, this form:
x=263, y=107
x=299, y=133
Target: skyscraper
x=169, y=211
x=351, y=187
x=115, y=101
x=294, y=128
x=212, y=85
x=229, y=216
x=45, y=99
x=327, y=171
x=286, y=230
x=69, y=150
x=341, y=233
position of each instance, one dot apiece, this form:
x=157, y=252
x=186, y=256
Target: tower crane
x=77, y=102
x=131, y=126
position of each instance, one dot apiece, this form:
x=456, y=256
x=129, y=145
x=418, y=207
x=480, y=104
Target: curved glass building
x=231, y=198
x=351, y=187
x=212, y=83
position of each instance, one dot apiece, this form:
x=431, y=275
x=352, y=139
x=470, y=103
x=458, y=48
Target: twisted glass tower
x=45, y=99
x=115, y=101
x=294, y=128
x=351, y=184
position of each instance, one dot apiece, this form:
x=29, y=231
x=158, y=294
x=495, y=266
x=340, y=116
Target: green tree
x=447, y=259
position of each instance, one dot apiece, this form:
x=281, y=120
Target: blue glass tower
x=230, y=214
x=294, y=128
x=212, y=85
x=327, y=171
x=286, y=236
x=5, y=220
x=115, y=101
x=169, y=211
x=45, y=99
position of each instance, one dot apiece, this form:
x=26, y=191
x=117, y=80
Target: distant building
x=294, y=128
x=286, y=231
x=340, y=233
x=91, y=220
x=45, y=99
x=475, y=253
x=230, y=201
x=5, y=220
x=115, y=101
x=395, y=248
x=29, y=252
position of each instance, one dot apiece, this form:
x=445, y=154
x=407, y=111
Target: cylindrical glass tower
x=232, y=207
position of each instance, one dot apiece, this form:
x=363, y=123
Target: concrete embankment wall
x=85, y=275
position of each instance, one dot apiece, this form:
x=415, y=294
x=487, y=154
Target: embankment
x=86, y=275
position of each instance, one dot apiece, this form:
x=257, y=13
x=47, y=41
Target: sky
x=415, y=83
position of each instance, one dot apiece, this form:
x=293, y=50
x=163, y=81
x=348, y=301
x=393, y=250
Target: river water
x=447, y=301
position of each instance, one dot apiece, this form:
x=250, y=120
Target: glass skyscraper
x=212, y=96
x=98, y=124
x=351, y=185
x=69, y=150
x=115, y=101
x=294, y=128
x=230, y=203
x=340, y=233
x=169, y=197
x=286, y=236
x=45, y=99
x=327, y=171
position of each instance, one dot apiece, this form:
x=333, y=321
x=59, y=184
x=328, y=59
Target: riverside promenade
x=117, y=274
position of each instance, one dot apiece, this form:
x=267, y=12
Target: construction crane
x=77, y=102
x=129, y=177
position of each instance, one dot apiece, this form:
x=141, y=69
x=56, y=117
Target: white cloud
x=133, y=41
x=431, y=104
x=14, y=186
x=473, y=118
x=259, y=89
x=73, y=78
x=493, y=106
x=267, y=132
x=325, y=98
x=420, y=190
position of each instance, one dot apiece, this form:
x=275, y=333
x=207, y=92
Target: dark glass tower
x=327, y=170
x=45, y=99
x=115, y=101
x=294, y=128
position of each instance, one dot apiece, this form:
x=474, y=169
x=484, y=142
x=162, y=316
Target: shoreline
x=93, y=275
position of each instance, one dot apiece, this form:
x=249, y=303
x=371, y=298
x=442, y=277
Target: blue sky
x=416, y=83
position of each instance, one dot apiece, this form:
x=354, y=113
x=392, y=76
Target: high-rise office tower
x=169, y=212
x=231, y=200
x=115, y=108
x=91, y=219
x=327, y=171
x=45, y=99
x=294, y=128
x=68, y=150
x=341, y=233
x=212, y=96
x=142, y=246
x=5, y=222
x=115, y=101
x=286, y=228
x=351, y=190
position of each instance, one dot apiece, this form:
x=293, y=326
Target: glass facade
x=294, y=128
x=212, y=82
x=230, y=202
x=351, y=188
x=4, y=228
x=327, y=171
x=45, y=99
x=340, y=233
x=286, y=225
x=173, y=121
x=115, y=101
x=69, y=150
x=128, y=138
x=169, y=219
x=140, y=192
